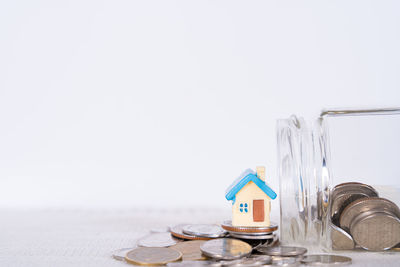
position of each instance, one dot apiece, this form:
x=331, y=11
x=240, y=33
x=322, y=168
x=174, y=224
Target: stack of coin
x=361, y=218
x=266, y=233
x=159, y=248
x=255, y=236
x=343, y=194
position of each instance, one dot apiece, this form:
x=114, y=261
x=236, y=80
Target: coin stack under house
x=215, y=245
x=360, y=218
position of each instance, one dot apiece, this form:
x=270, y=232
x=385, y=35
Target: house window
x=244, y=207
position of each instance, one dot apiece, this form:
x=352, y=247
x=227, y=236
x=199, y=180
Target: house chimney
x=261, y=172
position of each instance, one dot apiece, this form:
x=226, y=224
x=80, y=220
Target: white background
x=165, y=103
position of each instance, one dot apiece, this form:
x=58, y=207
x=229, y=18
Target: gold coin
x=190, y=250
x=152, y=256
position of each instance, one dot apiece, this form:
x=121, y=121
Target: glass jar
x=360, y=146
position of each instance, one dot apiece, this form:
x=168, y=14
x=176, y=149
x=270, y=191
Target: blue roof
x=245, y=178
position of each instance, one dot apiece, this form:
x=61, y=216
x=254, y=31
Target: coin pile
x=213, y=245
x=236, y=253
x=360, y=218
x=255, y=236
x=250, y=233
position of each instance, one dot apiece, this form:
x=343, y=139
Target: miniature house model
x=251, y=199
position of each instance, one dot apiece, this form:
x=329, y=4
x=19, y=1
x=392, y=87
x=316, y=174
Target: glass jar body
x=312, y=160
x=303, y=157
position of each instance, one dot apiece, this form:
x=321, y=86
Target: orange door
x=258, y=210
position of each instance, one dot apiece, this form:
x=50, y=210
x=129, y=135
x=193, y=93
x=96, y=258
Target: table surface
x=79, y=237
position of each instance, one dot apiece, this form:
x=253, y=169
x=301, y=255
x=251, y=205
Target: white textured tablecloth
x=87, y=237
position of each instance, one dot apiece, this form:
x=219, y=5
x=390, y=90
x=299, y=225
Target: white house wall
x=247, y=194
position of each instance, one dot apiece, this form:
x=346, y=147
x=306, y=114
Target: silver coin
x=177, y=232
x=344, y=194
x=255, y=237
x=366, y=205
x=325, y=259
x=227, y=225
x=194, y=263
x=275, y=241
x=284, y=251
x=267, y=243
x=157, y=240
x=152, y=256
x=285, y=261
x=341, y=240
x=226, y=263
x=376, y=231
x=263, y=259
x=253, y=234
x=120, y=254
x=204, y=230
x=255, y=243
x=245, y=262
x=345, y=186
x=226, y=249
